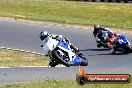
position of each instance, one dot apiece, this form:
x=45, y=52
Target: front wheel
x=128, y=49
x=84, y=60
x=61, y=58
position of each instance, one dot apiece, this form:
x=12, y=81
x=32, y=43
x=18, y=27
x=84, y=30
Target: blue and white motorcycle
x=122, y=44
x=60, y=52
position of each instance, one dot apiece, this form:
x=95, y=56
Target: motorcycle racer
x=44, y=35
x=60, y=51
x=98, y=34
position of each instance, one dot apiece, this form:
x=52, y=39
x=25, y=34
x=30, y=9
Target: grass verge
x=64, y=84
x=68, y=12
x=15, y=58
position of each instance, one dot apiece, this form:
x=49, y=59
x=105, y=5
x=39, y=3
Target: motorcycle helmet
x=96, y=26
x=110, y=34
x=43, y=35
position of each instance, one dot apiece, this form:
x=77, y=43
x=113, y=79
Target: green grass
x=63, y=84
x=16, y=58
x=68, y=12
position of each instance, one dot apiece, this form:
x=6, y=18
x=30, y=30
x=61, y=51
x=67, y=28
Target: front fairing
x=66, y=47
x=120, y=42
x=76, y=61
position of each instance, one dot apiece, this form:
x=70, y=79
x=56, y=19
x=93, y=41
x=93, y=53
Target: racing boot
x=99, y=45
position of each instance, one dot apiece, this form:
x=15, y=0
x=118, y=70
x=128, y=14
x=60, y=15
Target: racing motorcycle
x=121, y=44
x=59, y=52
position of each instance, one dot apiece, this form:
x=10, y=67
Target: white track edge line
x=20, y=50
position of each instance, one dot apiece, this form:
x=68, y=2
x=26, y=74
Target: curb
x=22, y=51
x=26, y=52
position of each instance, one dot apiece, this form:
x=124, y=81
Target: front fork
x=50, y=59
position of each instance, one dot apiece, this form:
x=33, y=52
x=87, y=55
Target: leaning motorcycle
x=59, y=52
x=121, y=44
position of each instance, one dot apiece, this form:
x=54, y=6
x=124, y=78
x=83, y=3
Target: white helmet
x=43, y=35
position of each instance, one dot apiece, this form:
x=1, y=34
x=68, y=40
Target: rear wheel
x=62, y=58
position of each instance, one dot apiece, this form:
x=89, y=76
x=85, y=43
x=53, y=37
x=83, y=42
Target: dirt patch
x=118, y=30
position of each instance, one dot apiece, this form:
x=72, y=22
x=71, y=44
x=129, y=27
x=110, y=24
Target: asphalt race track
x=25, y=36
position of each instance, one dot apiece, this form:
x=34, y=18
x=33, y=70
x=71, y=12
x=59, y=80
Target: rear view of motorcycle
x=121, y=44
x=108, y=39
x=101, y=34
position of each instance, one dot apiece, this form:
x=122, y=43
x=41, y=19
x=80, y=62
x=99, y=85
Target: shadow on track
x=107, y=54
x=112, y=54
x=94, y=49
x=104, y=49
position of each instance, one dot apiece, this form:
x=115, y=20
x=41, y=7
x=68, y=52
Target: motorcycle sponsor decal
x=83, y=78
